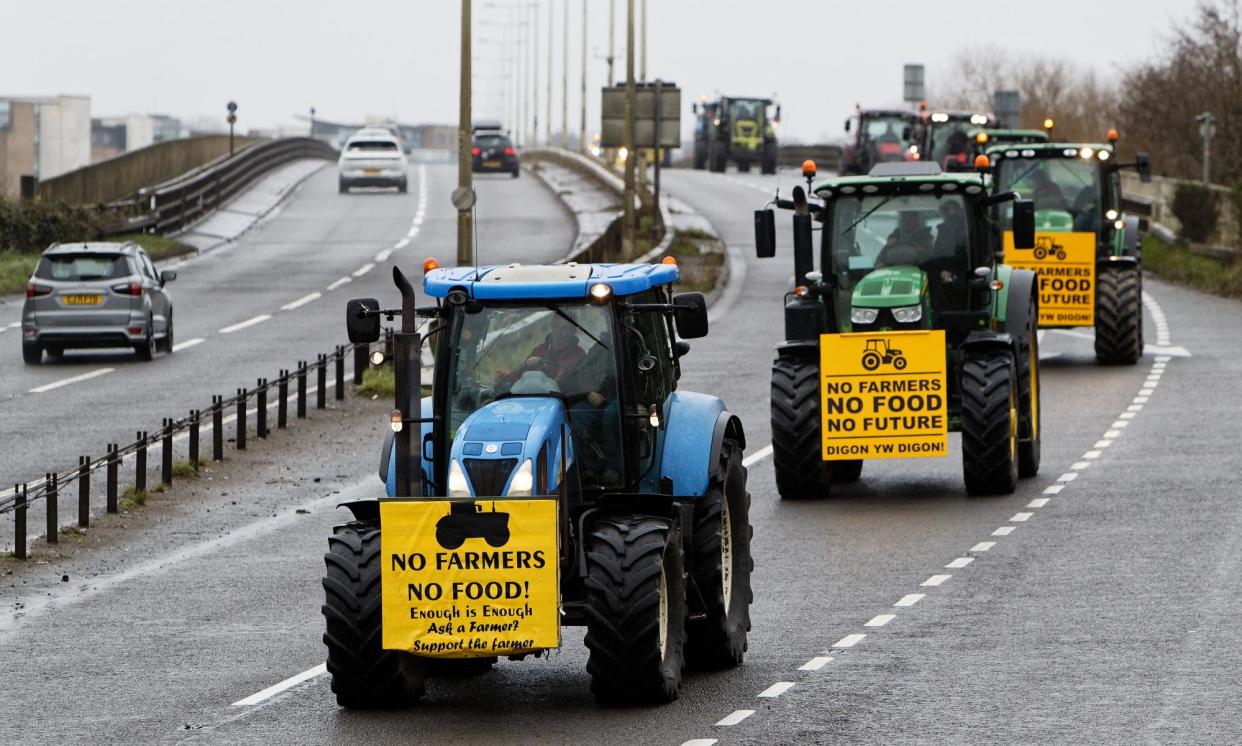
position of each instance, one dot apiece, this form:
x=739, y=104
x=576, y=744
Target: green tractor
x=908, y=329
x=741, y=130
x=1087, y=253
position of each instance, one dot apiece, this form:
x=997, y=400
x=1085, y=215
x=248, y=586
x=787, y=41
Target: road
x=1096, y=604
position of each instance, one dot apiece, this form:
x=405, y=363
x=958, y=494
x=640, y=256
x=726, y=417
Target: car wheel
x=168, y=335
x=54, y=352
x=32, y=354
x=342, y=187
x=403, y=187
x=146, y=348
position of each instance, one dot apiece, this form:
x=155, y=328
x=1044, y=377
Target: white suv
x=372, y=158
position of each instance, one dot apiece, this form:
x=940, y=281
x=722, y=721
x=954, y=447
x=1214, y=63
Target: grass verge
x=381, y=381
x=1180, y=265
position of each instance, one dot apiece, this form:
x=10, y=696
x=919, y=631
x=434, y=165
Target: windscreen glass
x=82, y=267
x=1066, y=191
x=924, y=230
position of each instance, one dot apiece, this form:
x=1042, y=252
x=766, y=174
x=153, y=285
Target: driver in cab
x=911, y=241
x=556, y=357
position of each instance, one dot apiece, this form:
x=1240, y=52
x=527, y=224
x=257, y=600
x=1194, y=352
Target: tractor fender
x=1021, y=287
x=388, y=459
x=1131, y=243
x=1117, y=261
x=978, y=341
x=728, y=425
x=364, y=510
x=691, y=439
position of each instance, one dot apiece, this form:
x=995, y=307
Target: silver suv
x=96, y=295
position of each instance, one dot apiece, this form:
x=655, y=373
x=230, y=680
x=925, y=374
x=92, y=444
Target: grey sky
x=399, y=57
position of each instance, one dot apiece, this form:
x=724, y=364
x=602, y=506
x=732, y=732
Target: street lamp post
x=465, y=230
x=312, y=126
x=1207, y=128
x=631, y=217
x=231, y=119
x=565, y=74
x=534, y=74
x=582, y=127
x=612, y=14
x=547, y=118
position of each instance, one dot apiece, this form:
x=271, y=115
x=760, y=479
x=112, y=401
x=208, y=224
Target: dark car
x=493, y=152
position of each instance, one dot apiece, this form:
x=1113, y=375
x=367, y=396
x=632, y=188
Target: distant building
x=111, y=136
x=43, y=137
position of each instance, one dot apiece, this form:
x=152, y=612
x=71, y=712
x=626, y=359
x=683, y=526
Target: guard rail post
x=194, y=420
x=53, y=506
x=340, y=372
x=360, y=363
x=217, y=428
x=282, y=406
x=321, y=392
x=19, y=522
x=166, y=452
x=112, y=477
x=84, y=491
x=260, y=420
x=301, y=389
x=242, y=395
x=140, y=463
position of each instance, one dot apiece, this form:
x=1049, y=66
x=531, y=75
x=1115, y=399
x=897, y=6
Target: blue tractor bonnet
x=573, y=280
x=498, y=438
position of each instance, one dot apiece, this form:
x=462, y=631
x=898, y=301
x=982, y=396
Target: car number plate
x=491, y=164
x=371, y=171
x=83, y=300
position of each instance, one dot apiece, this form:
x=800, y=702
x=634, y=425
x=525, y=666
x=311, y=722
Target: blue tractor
x=558, y=381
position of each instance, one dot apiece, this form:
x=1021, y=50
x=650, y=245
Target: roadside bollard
x=260, y=420
x=241, y=419
x=194, y=420
x=361, y=357
x=217, y=428
x=282, y=406
x=53, y=506
x=321, y=393
x=301, y=389
x=140, y=463
x=340, y=373
x=84, y=491
x=112, y=476
x=166, y=453
x=19, y=522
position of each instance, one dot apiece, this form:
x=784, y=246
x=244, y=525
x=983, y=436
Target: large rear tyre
x=719, y=157
x=636, y=610
x=743, y=167
x=990, y=423
x=1027, y=363
x=797, y=452
x=1119, y=315
x=700, y=158
x=145, y=349
x=169, y=340
x=364, y=675
x=721, y=568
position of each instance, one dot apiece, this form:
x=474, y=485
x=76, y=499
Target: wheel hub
x=663, y=613
x=726, y=554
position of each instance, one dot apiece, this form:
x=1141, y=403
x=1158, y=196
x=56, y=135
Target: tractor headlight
x=1111, y=214
x=864, y=315
x=458, y=486
x=908, y=314
x=523, y=480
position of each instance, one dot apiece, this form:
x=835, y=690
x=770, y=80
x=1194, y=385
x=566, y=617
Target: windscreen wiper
x=560, y=312
x=867, y=214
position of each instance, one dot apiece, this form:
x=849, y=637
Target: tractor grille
x=488, y=476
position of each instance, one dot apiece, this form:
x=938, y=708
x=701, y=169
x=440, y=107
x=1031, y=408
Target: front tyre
x=364, y=675
x=990, y=423
x=1119, y=315
x=145, y=349
x=636, y=610
x=1029, y=423
x=722, y=566
x=797, y=452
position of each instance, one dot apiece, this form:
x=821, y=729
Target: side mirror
x=694, y=108
x=847, y=125
x=906, y=133
x=690, y=313
x=167, y=276
x=765, y=234
x=1143, y=163
x=1023, y=224
x=363, y=327
x=777, y=119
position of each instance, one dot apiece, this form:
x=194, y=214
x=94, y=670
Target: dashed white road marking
x=910, y=599
x=816, y=663
x=1112, y=434
x=14, y=324
x=1091, y=454
x=1038, y=502
x=1054, y=489
x=1104, y=443
x=1080, y=465
x=849, y=641
x=1003, y=531
x=364, y=269
x=758, y=455
x=401, y=244
x=983, y=546
x=935, y=580
x=246, y=324
x=1068, y=476
x=777, y=689
x=959, y=563
x=1021, y=517
x=340, y=282
x=308, y=298
x=413, y=233
x=700, y=742
x=71, y=380
x=383, y=256
x=880, y=620
x=288, y=683
x=188, y=344
x=736, y=717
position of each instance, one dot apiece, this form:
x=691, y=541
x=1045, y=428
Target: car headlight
x=863, y=315
x=458, y=486
x=908, y=314
x=523, y=480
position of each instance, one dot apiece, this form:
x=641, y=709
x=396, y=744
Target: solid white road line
x=935, y=580
x=364, y=269
x=758, y=456
x=959, y=563
x=777, y=689
x=245, y=324
x=910, y=599
x=302, y=301
x=1038, y=502
x=849, y=641
x=288, y=683
x=737, y=717
x=879, y=620
x=340, y=282
x=983, y=546
x=74, y=379
x=1003, y=531
x=188, y=344
x=815, y=663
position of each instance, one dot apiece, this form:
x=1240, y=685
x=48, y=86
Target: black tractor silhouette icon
x=878, y=352
x=468, y=521
x=1045, y=247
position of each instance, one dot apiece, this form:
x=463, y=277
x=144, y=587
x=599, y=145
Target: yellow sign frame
x=1062, y=263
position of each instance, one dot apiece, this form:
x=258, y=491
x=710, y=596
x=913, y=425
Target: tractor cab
x=949, y=138
x=879, y=136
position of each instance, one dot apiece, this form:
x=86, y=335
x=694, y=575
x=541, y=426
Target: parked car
x=493, y=151
x=373, y=158
x=99, y=294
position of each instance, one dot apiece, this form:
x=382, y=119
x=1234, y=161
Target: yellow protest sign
x=469, y=579
x=883, y=395
x=1065, y=265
